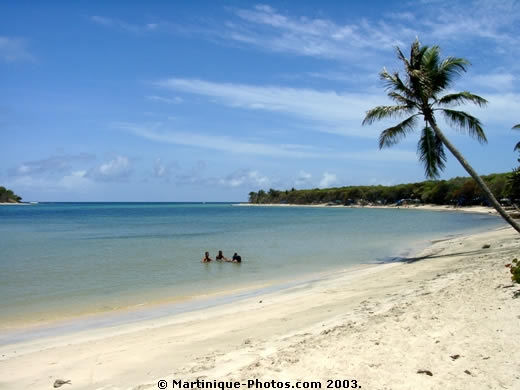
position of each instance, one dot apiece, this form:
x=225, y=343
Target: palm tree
x=418, y=96
x=517, y=127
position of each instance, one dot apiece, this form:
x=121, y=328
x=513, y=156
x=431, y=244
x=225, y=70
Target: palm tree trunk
x=475, y=176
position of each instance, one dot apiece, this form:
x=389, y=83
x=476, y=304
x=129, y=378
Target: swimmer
x=206, y=258
x=221, y=257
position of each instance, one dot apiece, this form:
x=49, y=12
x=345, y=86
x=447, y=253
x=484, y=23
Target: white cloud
x=163, y=170
x=159, y=169
x=174, y=100
x=338, y=113
x=328, y=179
x=502, y=109
x=265, y=27
x=102, y=20
x=303, y=179
x=153, y=132
x=221, y=143
x=486, y=19
x=76, y=180
x=244, y=177
x=50, y=165
x=14, y=49
x=116, y=169
x=497, y=81
x=130, y=27
x=73, y=182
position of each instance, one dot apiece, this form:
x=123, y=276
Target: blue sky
x=206, y=101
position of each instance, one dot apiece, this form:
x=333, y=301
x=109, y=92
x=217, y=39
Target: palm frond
x=393, y=82
x=465, y=122
x=383, y=112
x=402, y=100
x=431, y=153
x=402, y=57
x=462, y=97
x=430, y=59
x=447, y=71
x=417, y=54
x=393, y=135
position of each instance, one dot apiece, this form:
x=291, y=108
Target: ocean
x=61, y=260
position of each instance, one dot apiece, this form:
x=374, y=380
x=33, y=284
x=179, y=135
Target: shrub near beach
x=515, y=271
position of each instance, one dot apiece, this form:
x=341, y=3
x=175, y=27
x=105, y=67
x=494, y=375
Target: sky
x=209, y=100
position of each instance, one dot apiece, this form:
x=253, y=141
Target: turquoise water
x=64, y=259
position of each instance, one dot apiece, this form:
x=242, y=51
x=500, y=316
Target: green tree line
x=461, y=191
x=8, y=196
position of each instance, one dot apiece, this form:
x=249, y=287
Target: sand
x=449, y=312
x=428, y=207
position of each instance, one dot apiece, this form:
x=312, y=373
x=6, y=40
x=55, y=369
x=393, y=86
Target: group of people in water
x=220, y=257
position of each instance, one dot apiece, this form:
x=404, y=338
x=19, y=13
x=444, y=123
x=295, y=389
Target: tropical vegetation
x=459, y=191
x=515, y=270
x=8, y=196
x=420, y=95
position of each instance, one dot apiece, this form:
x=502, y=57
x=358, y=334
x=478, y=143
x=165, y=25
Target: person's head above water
x=206, y=254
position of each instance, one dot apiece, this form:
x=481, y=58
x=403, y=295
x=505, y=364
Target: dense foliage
x=515, y=271
x=460, y=191
x=8, y=196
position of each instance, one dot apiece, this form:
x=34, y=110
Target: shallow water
x=65, y=259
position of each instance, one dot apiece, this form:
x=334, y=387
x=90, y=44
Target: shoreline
x=426, y=207
x=169, y=307
x=17, y=203
x=440, y=302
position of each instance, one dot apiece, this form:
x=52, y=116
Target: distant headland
x=459, y=191
x=8, y=196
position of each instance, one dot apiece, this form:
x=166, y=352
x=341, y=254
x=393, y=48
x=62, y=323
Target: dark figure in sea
x=221, y=257
x=236, y=258
x=206, y=258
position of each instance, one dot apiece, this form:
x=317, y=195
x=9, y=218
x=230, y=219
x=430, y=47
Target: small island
x=8, y=196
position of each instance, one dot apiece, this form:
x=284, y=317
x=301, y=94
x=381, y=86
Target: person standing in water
x=236, y=258
x=206, y=258
x=221, y=257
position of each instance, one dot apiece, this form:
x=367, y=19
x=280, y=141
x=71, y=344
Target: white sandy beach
x=427, y=207
x=451, y=313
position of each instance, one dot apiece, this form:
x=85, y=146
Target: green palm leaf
x=382, y=112
x=402, y=100
x=431, y=153
x=393, y=135
x=465, y=122
x=462, y=97
x=394, y=83
x=447, y=71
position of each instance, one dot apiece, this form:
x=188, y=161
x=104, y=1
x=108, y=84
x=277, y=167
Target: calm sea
x=65, y=259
